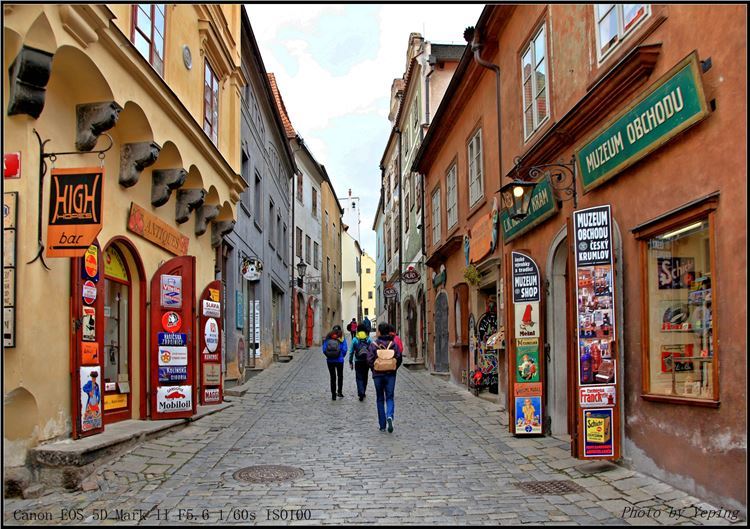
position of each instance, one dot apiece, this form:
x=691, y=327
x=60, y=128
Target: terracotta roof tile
x=290, y=133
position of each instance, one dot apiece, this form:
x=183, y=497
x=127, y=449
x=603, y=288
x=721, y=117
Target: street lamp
x=301, y=269
x=516, y=198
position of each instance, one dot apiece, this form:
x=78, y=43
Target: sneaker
x=382, y=429
x=390, y=424
x=333, y=397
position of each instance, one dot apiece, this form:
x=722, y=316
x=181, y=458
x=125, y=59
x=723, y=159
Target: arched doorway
x=411, y=327
x=123, y=380
x=310, y=323
x=441, y=333
x=557, y=332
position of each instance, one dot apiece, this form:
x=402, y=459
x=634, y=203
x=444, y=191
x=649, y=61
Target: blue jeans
x=384, y=387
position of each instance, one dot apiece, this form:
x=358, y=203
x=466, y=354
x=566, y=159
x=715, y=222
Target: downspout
x=400, y=228
x=472, y=36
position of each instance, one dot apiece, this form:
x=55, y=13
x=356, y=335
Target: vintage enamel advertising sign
x=173, y=399
x=171, y=292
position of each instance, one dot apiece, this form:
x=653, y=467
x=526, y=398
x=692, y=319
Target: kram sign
x=172, y=399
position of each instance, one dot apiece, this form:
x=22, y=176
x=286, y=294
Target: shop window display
x=681, y=358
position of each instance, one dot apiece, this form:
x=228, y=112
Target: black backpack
x=332, y=348
x=360, y=352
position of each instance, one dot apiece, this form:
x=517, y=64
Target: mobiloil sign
x=674, y=103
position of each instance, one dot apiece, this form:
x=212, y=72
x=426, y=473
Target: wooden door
x=441, y=333
x=172, y=339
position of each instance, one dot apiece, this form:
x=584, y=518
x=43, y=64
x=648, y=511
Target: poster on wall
x=595, y=296
x=527, y=360
x=528, y=415
x=173, y=399
x=89, y=324
x=91, y=399
x=598, y=440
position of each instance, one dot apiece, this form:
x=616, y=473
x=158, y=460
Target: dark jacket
x=342, y=350
x=381, y=342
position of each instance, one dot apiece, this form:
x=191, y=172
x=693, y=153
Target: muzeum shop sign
x=674, y=103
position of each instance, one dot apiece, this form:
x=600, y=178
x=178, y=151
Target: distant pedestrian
x=384, y=358
x=352, y=327
x=358, y=359
x=395, y=337
x=368, y=326
x=334, y=347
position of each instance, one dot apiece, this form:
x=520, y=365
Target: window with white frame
x=476, y=180
x=436, y=216
x=451, y=196
x=614, y=22
x=534, y=79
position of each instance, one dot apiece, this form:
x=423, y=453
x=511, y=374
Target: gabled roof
x=290, y=133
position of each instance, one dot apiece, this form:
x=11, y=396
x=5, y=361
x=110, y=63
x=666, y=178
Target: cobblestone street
x=450, y=460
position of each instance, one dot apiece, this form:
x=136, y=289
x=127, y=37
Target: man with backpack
x=334, y=348
x=352, y=327
x=358, y=359
x=384, y=358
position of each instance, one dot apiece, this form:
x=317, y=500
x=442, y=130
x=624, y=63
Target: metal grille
x=550, y=488
x=268, y=474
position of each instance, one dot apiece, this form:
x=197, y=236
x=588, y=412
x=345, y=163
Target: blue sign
x=240, y=307
x=172, y=373
x=171, y=338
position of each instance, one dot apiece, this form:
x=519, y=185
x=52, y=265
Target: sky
x=334, y=65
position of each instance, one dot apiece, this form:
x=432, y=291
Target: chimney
x=350, y=191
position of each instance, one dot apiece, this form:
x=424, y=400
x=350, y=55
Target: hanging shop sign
x=527, y=380
x=411, y=276
x=12, y=165
x=211, y=342
x=211, y=309
x=541, y=207
x=390, y=291
x=481, y=235
x=673, y=104
x=171, y=291
x=171, y=321
x=251, y=269
x=153, y=229
x=173, y=399
x=10, y=213
x=91, y=263
x=596, y=365
x=75, y=211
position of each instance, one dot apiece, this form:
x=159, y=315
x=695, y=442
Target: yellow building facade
x=331, y=263
x=172, y=112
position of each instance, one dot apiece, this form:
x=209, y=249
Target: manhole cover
x=268, y=473
x=550, y=488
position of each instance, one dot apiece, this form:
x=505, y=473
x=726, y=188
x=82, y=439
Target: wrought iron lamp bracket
x=562, y=178
x=42, y=171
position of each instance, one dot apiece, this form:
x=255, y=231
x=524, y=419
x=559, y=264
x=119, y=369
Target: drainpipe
x=400, y=230
x=472, y=36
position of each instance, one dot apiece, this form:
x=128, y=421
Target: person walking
x=358, y=359
x=352, y=327
x=395, y=337
x=334, y=348
x=384, y=358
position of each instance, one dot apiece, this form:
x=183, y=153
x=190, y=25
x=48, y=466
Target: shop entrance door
x=441, y=333
x=118, y=323
x=557, y=361
x=275, y=306
x=310, y=323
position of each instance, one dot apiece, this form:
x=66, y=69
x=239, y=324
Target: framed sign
x=210, y=343
x=10, y=208
x=75, y=211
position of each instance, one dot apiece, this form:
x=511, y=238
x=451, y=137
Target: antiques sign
x=674, y=103
x=152, y=228
x=75, y=211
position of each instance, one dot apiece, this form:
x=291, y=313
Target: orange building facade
x=633, y=103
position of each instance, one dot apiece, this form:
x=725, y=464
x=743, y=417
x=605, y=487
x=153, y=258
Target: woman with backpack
x=384, y=358
x=334, y=347
x=358, y=359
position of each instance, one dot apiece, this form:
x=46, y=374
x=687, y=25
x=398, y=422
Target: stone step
x=444, y=376
x=285, y=358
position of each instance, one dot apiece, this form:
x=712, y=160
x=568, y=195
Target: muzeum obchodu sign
x=674, y=103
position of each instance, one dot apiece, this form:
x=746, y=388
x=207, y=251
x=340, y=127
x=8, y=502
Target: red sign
x=209, y=342
x=89, y=292
x=91, y=262
x=171, y=321
x=12, y=165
